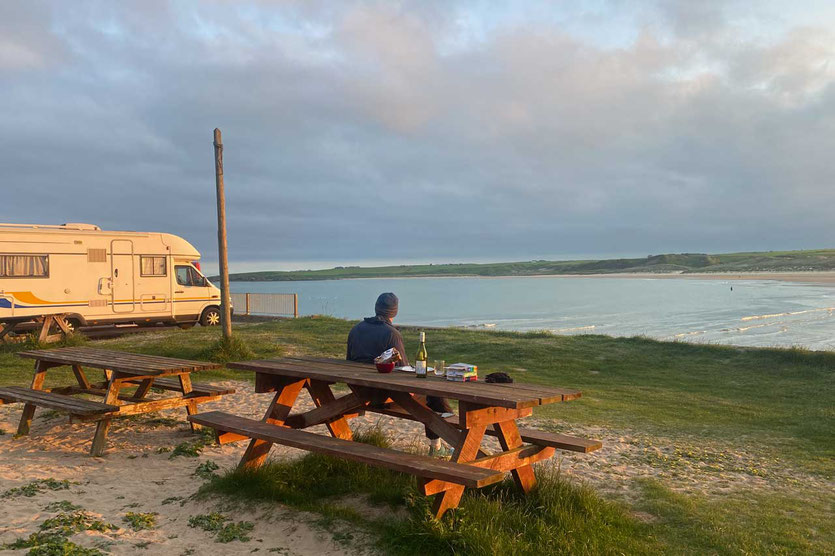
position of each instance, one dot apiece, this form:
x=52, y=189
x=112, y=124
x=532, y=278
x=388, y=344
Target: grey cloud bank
x=466, y=130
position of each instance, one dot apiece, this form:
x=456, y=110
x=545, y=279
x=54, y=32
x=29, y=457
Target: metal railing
x=266, y=304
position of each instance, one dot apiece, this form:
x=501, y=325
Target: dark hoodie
x=371, y=337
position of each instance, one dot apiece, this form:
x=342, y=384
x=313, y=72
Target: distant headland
x=790, y=263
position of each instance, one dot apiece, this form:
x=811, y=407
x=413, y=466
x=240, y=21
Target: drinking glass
x=439, y=367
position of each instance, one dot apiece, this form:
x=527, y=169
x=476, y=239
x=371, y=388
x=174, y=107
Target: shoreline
x=818, y=277
x=822, y=277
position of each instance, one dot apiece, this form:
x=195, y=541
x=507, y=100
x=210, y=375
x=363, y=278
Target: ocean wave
x=575, y=329
x=744, y=328
x=789, y=314
x=694, y=333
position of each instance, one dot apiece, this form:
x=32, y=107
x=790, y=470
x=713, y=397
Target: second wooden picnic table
x=122, y=371
x=484, y=409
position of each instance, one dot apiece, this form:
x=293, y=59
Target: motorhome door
x=122, y=274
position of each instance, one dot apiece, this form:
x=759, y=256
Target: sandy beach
x=823, y=278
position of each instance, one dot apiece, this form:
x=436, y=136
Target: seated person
x=374, y=335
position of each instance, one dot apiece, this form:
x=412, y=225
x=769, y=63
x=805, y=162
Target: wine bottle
x=420, y=360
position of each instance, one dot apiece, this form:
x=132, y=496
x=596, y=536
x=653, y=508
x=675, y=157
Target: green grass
x=766, y=414
x=742, y=523
x=786, y=261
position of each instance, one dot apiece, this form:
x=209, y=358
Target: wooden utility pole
x=225, y=300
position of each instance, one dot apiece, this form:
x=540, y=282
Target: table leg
x=191, y=408
x=29, y=409
x=143, y=388
x=509, y=439
x=45, y=326
x=8, y=327
x=466, y=450
x=111, y=398
x=81, y=377
x=277, y=412
x=322, y=394
x=435, y=422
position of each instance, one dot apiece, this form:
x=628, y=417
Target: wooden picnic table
x=122, y=371
x=484, y=409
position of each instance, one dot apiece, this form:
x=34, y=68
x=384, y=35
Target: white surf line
x=576, y=329
x=773, y=315
x=744, y=328
x=694, y=333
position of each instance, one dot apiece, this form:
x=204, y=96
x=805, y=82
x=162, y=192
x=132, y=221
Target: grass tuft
x=50, y=544
x=224, y=532
x=52, y=539
x=139, y=521
x=67, y=524
x=63, y=547
x=206, y=470
x=36, y=487
x=235, y=532
x=61, y=506
x=232, y=349
x=194, y=448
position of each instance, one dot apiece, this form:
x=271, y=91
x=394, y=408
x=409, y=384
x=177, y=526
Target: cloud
x=447, y=131
x=26, y=41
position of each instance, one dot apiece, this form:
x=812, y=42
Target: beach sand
x=822, y=278
x=134, y=477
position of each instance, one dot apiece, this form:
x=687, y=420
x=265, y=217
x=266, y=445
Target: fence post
x=247, y=304
x=295, y=305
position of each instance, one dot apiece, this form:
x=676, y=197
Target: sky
x=424, y=131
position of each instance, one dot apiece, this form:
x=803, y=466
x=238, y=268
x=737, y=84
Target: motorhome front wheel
x=211, y=317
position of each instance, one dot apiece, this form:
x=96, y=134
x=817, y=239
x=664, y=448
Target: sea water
x=740, y=312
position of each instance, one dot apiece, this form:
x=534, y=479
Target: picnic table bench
x=484, y=409
x=122, y=372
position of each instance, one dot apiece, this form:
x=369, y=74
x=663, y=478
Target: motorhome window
x=24, y=266
x=183, y=275
x=152, y=266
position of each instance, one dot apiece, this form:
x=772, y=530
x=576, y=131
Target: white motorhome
x=102, y=277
